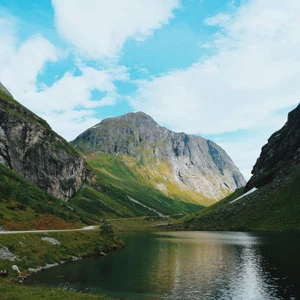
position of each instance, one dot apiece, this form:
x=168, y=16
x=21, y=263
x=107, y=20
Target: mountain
x=280, y=153
x=275, y=205
x=32, y=149
x=24, y=206
x=188, y=168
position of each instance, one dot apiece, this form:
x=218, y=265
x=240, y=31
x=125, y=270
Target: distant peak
x=138, y=114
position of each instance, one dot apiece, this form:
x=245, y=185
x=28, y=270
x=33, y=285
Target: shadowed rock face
x=197, y=164
x=29, y=147
x=282, y=151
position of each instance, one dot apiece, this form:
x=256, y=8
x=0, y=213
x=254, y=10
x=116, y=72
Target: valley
x=142, y=179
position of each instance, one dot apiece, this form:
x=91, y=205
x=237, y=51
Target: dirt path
x=50, y=230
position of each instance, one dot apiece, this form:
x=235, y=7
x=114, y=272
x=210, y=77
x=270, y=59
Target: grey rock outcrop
x=281, y=152
x=198, y=164
x=30, y=148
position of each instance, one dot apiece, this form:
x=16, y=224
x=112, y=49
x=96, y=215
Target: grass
x=137, y=224
x=33, y=252
x=10, y=291
x=25, y=206
x=274, y=207
x=120, y=177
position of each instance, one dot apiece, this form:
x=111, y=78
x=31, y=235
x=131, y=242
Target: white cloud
x=253, y=73
x=70, y=123
x=99, y=29
x=75, y=91
x=19, y=65
x=67, y=104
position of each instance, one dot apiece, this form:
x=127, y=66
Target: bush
x=107, y=230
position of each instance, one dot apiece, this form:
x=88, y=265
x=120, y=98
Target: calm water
x=189, y=265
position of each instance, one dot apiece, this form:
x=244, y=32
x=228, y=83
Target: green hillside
x=25, y=206
x=118, y=186
x=275, y=206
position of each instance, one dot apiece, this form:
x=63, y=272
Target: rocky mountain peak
x=196, y=164
x=131, y=119
x=281, y=152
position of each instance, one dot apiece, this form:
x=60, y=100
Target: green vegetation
x=10, y=291
x=24, y=206
x=138, y=224
x=274, y=207
x=34, y=250
x=118, y=180
x=107, y=230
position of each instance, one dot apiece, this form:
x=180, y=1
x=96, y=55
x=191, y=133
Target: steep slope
x=276, y=203
x=190, y=167
x=24, y=206
x=29, y=147
x=282, y=151
x=125, y=189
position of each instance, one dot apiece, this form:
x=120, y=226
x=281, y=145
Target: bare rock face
x=197, y=164
x=30, y=148
x=281, y=152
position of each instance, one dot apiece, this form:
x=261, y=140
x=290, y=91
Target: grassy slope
x=10, y=291
x=273, y=207
x=33, y=252
x=25, y=206
x=119, y=178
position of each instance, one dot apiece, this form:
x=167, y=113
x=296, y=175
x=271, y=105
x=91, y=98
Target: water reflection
x=189, y=265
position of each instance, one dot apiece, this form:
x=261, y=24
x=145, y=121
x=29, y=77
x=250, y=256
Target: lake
x=188, y=265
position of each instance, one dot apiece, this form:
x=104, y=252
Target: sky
x=227, y=70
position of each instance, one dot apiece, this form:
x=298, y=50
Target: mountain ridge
x=283, y=148
x=275, y=204
x=31, y=148
x=194, y=161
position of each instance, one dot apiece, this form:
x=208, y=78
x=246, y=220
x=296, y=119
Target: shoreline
x=34, y=253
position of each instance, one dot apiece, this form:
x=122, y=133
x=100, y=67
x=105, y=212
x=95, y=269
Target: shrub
x=107, y=230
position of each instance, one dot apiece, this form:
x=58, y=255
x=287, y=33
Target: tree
x=107, y=230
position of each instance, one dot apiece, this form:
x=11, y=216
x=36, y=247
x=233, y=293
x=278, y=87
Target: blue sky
x=223, y=69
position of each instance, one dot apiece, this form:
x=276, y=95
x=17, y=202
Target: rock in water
x=195, y=163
